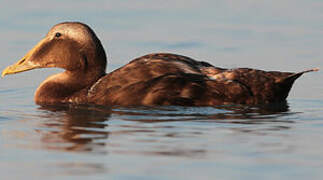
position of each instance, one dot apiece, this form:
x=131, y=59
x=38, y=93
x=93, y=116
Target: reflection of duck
x=238, y=114
x=75, y=129
x=154, y=79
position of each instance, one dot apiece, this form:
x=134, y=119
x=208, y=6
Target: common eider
x=153, y=79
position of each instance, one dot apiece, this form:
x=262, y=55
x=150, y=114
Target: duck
x=151, y=80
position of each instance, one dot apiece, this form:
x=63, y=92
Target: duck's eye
x=58, y=34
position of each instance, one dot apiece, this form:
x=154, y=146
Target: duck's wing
x=151, y=66
x=155, y=65
x=183, y=89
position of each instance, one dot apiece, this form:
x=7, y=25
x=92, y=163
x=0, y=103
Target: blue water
x=226, y=142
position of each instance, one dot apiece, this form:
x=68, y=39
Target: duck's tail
x=291, y=78
x=286, y=83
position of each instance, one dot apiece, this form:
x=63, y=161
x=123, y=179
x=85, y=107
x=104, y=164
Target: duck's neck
x=66, y=87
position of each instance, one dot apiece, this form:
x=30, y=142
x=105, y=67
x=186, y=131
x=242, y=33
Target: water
x=283, y=141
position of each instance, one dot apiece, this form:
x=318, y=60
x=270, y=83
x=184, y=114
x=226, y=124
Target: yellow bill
x=24, y=64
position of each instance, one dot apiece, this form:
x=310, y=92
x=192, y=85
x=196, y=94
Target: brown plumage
x=154, y=79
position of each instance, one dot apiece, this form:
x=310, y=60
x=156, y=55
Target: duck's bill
x=24, y=64
x=21, y=66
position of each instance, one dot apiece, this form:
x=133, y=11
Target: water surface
x=280, y=141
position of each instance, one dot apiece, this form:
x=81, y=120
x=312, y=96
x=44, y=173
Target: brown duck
x=154, y=79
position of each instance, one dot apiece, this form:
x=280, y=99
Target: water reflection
x=255, y=114
x=86, y=128
x=227, y=113
x=77, y=128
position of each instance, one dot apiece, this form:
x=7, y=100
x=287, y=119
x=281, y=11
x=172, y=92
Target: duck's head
x=72, y=46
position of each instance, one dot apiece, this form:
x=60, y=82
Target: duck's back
x=168, y=79
x=154, y=65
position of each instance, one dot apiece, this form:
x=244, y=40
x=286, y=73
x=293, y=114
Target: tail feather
x=291, y=78
x=285, y=84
